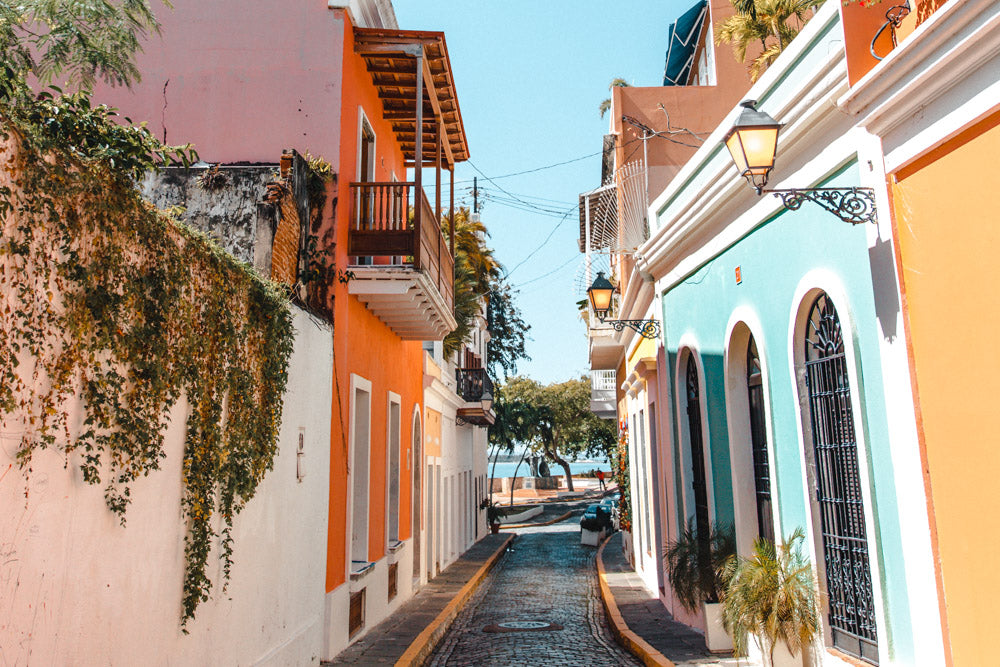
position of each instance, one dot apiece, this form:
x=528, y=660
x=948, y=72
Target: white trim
x=358, y=383
x=392, y=398
x=809, y=287
x=738, y=424
x=362, y=122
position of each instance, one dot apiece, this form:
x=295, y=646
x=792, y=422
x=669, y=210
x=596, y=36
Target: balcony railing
x=381, y=226
x=602, y=381
x=473, y=383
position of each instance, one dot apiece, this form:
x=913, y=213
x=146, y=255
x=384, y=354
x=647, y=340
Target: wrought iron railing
x=382, y=226
x=473, y=383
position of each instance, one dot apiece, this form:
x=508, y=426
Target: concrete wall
x=78, y=588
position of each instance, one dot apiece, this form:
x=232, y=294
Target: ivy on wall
x=111, y=312
x=622, y=477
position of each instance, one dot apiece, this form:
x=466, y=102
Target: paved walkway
x=549, y=579
x=648, y=618
x=412, y=631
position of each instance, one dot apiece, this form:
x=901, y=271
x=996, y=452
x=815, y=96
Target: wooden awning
x=391, y=58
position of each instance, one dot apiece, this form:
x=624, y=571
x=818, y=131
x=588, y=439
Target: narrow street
x=548, y=578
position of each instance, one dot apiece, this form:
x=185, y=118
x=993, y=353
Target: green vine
x=112, y=312
x=622, y=477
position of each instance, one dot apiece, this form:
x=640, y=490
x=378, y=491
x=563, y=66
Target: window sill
x=360, y=569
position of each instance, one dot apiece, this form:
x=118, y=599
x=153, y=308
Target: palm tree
x=476, y=271
x=768, y=22
x=616, y=82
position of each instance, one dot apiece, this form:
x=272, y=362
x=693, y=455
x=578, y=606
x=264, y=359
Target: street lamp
x=753, y=144
x=599, y=294
x=486, y=400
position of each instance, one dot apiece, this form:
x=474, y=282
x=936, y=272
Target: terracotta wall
x=363, y=345
x=947, y=227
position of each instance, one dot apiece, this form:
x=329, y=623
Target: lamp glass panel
x=759, y=145
x=600, y=298
x=736, y=151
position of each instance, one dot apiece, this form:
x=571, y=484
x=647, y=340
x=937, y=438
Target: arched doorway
x=758, y=444
x=839, y=498
x=699, y=481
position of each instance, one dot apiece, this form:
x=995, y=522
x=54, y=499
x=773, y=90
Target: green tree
x=476, y=272
x=508, y=332
x=75, y=41
x=771, y=23
x=616, y=82
x=555, y=420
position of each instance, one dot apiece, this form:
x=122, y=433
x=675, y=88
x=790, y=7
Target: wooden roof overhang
x=392, y=57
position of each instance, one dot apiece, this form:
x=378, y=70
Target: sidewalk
x=410, y=634
x=640, y=622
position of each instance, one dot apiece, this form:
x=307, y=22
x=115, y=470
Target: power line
x=547, y=238
x=549, y=273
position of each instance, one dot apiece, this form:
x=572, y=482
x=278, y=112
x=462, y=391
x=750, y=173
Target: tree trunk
x=513, y=479
x=550, y=452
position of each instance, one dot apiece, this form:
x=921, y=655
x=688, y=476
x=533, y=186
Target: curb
x=635, y=644
x=427, y=641
x=544, y=523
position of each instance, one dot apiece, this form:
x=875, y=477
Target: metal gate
x=838, y=485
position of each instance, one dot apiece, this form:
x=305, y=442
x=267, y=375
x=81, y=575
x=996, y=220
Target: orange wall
x=949, y=232
x=861, y=24
x=363, y=344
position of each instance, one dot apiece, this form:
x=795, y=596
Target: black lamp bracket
x=853, y=205
x=645, y=328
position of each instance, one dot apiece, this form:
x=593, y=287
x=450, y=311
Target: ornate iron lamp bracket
x=853, y=205
x=645, y=328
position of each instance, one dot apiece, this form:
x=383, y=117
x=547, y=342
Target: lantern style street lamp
x=600, y=293
x=753, y=145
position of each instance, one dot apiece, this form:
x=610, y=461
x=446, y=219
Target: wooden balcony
x=473, y=384
x=402, y=265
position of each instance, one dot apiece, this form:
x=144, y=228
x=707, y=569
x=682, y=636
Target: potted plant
x=492, y=514
x=697, y=568
x=772, y=596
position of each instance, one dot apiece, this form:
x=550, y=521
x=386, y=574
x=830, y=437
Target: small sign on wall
x=739, y=275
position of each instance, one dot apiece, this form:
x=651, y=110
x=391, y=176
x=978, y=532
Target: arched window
x=838, y=485
x=758, y=444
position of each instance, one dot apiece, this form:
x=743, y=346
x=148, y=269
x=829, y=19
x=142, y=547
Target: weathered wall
x=226, y=210
x=78, y=588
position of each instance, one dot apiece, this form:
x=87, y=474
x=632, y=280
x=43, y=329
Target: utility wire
x=547, y=238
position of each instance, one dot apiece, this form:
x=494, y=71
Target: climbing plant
x=622, y=477
x=112, y=312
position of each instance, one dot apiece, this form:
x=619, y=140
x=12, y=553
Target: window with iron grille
x=838, y=485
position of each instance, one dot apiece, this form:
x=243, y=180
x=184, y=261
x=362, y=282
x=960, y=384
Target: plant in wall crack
x=114, y=312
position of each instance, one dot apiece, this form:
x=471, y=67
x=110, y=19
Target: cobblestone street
x=548, y=577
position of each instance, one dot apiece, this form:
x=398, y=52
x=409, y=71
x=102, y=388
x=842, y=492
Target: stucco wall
x=946, y=270
x=241, y=79
x=78, y=588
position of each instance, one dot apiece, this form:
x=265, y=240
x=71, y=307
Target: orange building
x=933, y=103
x=340, y=81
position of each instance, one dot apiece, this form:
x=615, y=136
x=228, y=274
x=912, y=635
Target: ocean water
x=506, y=469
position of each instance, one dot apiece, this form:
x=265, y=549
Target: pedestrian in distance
x=600, y=478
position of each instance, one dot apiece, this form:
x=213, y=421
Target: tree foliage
x=508, y=332
x=772, y=24
x=476, y=272
x=605, y=104
x=554, y=420
x=76, y=41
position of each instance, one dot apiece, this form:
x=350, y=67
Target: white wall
x=78, y=588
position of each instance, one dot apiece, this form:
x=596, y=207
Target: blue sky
x=530, y=76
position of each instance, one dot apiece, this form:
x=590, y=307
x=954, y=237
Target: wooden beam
x=432, y=94
x=418, y=150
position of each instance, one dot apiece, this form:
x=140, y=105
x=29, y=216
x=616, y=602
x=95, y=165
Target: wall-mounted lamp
x=600, y=300
x=753, y=144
